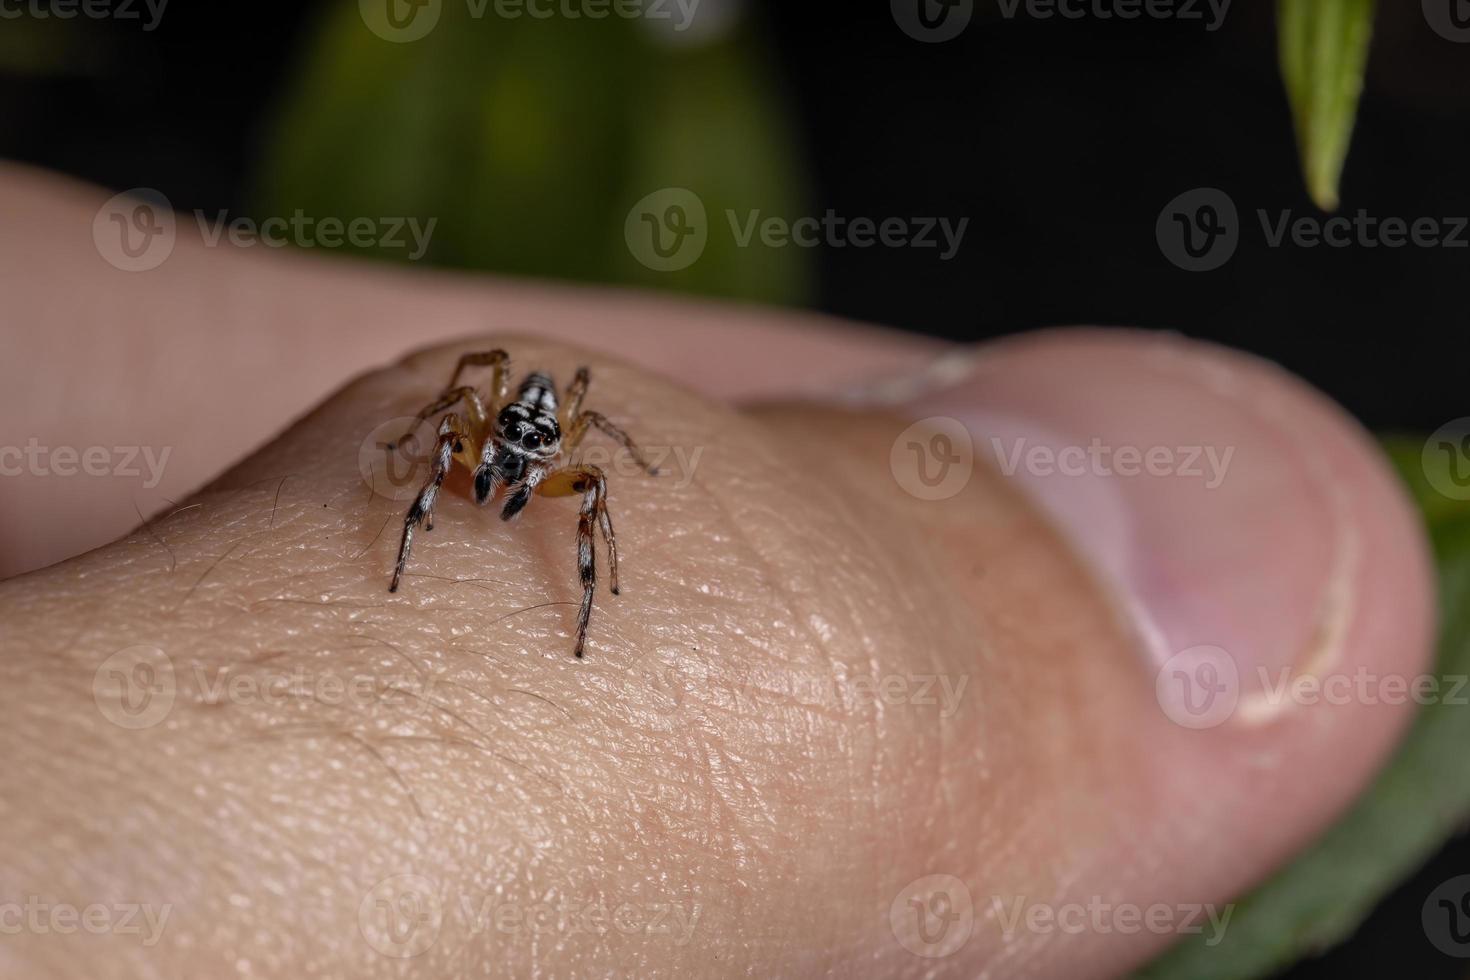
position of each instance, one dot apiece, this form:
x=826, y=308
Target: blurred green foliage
x=529, y=140
x=1323, y=46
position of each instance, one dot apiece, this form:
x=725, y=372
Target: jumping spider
x=518, y=446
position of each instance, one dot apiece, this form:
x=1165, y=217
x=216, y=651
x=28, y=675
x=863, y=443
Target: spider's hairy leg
x=592, y=484
x=499, y=360
x=590, y=481
x=452, y=438
x=572, y=404
x=474, y=408
x=584, y=420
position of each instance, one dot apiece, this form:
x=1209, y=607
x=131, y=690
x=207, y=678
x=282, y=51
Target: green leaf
x=1324, y=50
x=1416, y=803
x=529, y=140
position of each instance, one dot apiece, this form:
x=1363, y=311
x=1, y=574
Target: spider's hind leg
x=590, y=482
x=453, y=440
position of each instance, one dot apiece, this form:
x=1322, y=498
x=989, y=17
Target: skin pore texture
x=816, y=690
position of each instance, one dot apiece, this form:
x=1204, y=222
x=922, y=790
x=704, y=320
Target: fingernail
x=1204, y=488
x=940, y=373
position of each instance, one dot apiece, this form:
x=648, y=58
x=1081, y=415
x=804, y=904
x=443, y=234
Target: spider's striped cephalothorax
x=516, y=446
x=527, y=440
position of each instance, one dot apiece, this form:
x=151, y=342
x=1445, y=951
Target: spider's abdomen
x=539, y=393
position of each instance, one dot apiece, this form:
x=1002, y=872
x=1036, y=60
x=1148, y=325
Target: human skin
x=746, y=752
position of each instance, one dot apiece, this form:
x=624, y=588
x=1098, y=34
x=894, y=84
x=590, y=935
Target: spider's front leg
x=585, y=420
x=474, y=407
x=480, y=414
x=452, y=439
x=571, y=404
x=496, y=359
x=592, y=484
x=575, y=423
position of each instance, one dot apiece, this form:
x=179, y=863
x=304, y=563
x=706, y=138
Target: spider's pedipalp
x=517, y=500
x=487, y=484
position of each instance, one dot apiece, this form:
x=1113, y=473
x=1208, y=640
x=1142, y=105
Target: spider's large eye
x=532, y=439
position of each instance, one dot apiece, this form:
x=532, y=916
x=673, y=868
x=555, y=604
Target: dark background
x=1061, y=140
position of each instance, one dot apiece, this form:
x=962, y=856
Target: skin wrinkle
x=865, y=766
x=862, y=748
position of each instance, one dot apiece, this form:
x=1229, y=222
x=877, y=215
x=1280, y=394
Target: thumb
x=1272, y=588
